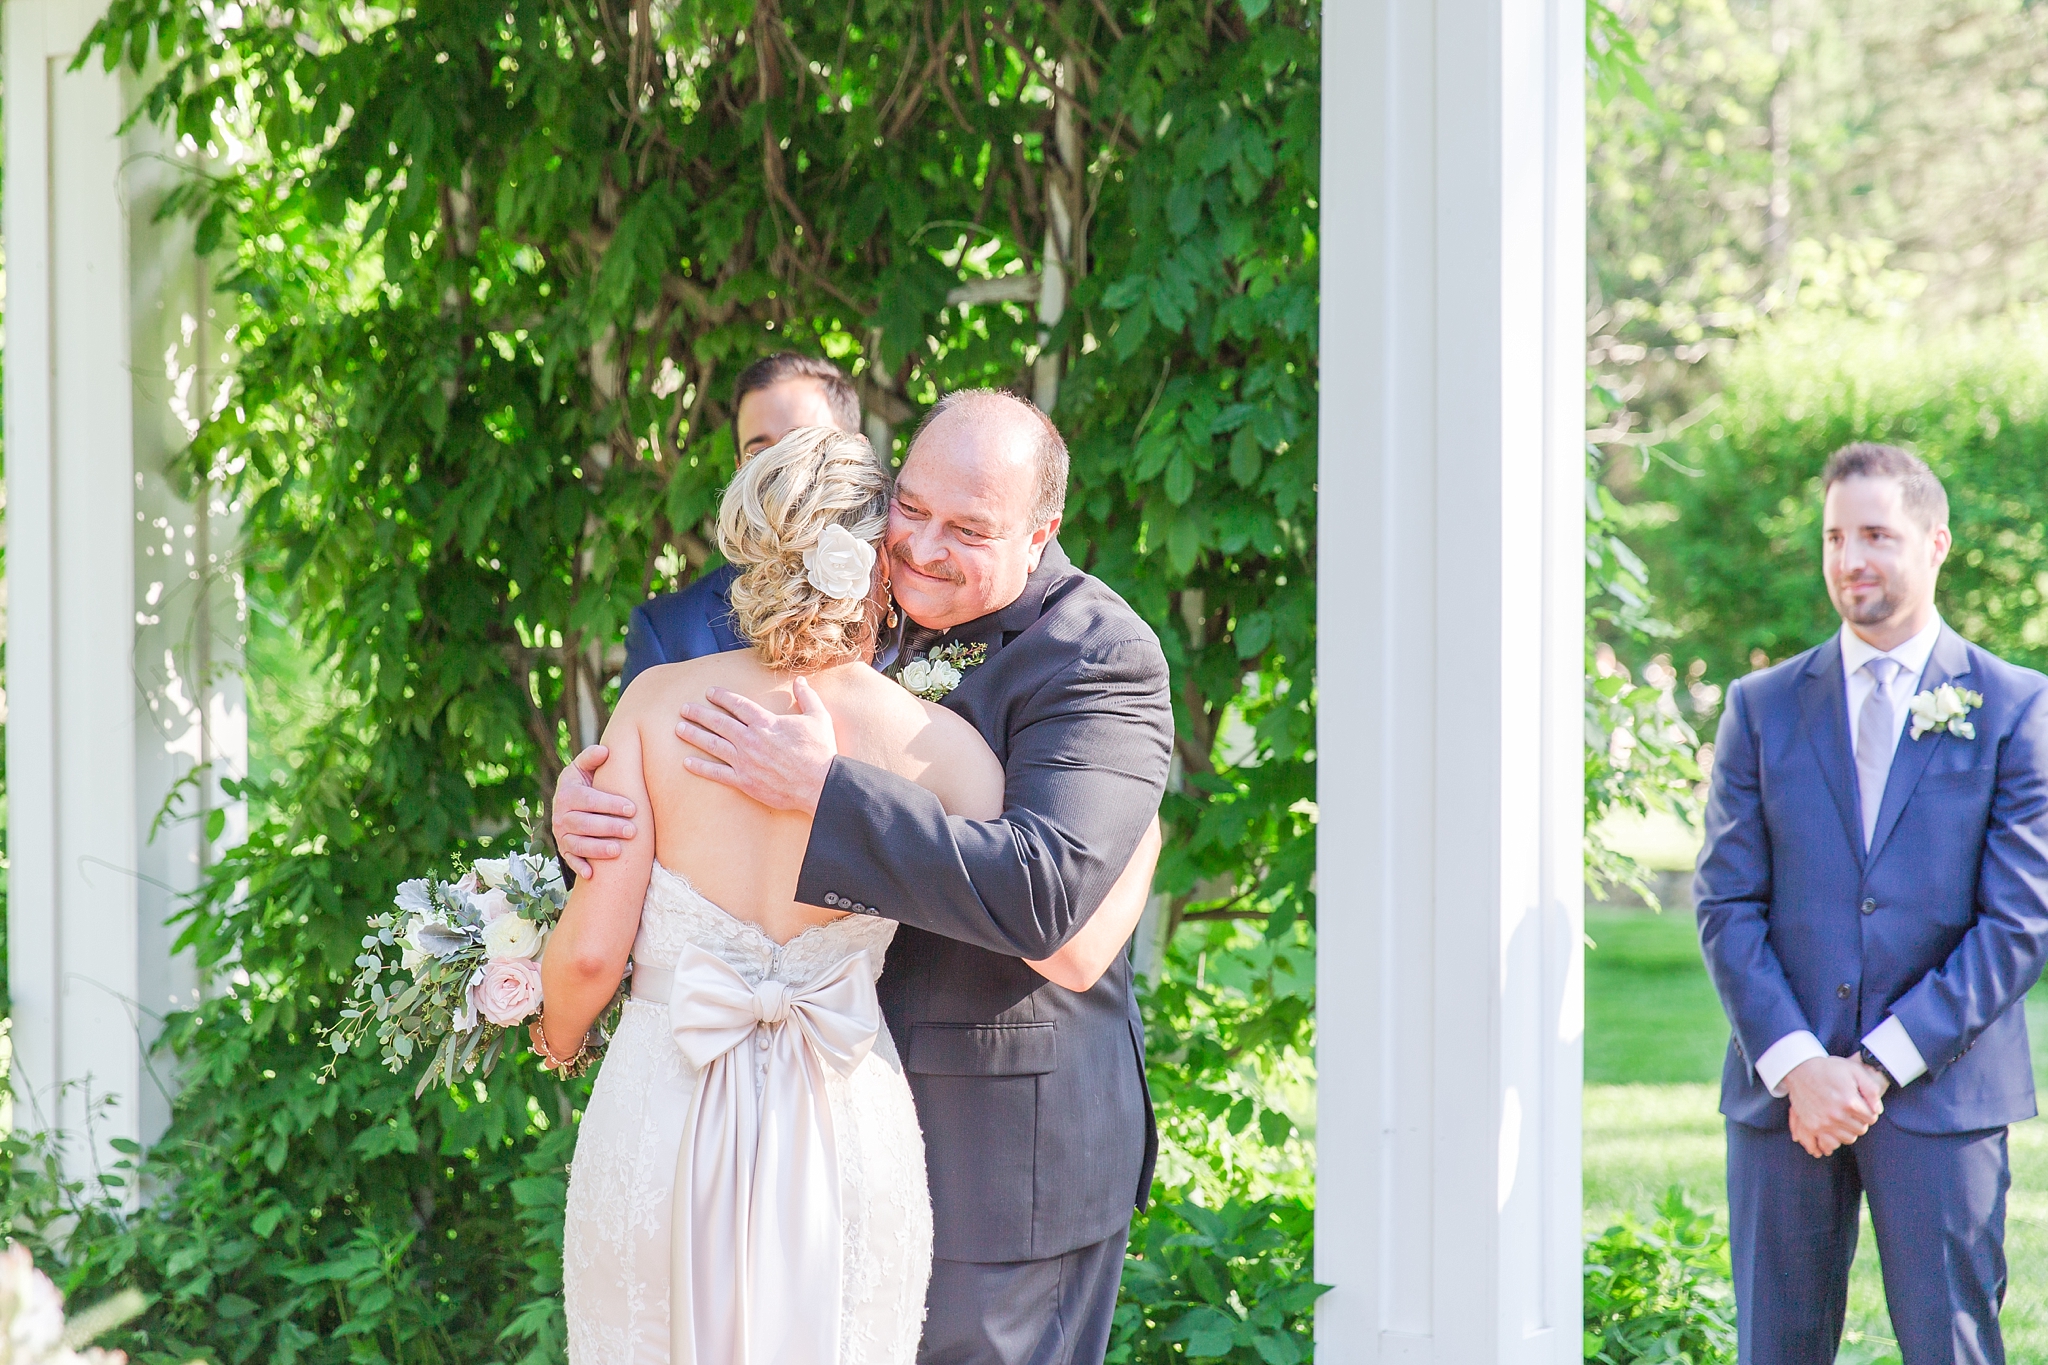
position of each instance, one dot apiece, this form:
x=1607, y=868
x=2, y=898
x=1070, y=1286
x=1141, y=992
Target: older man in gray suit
x=1037, y=1124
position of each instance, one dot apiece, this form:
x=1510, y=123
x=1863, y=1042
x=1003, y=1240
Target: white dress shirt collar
x=1912, y=655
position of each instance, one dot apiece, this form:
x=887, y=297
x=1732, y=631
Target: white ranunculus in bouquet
x=455, y=965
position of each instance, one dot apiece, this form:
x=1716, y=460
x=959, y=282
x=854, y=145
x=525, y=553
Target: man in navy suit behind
x=1873, y=907
x=773, y=397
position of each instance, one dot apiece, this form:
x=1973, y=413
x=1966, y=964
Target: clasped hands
x=1834, y=1102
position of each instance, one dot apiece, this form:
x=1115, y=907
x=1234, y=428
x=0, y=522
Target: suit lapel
x=1950, y=660
x=1824, y=707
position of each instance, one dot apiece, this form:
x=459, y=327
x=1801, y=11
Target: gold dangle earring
x=890, y=593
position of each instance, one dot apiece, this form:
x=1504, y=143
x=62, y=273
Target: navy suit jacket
x=677, y=626
x=1943, y=922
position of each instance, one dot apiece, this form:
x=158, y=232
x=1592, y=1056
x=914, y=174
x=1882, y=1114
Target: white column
x=125, y=620
x=1451, y=599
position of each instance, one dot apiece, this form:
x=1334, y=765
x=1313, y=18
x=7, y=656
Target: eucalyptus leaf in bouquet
x=454, y=966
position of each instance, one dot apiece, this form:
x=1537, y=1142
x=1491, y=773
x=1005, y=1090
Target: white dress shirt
x=1889, y=1040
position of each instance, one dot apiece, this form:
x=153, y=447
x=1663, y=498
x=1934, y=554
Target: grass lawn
x=1654, y=1039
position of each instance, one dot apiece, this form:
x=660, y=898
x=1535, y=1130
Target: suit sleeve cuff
x=1894, y=1047
x=1778, y=1060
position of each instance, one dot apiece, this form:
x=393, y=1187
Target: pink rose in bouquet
x=492, y=905
x=508, y=991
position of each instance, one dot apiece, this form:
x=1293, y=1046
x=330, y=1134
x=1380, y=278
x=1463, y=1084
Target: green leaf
x=1246, y=458
x=1183, y=546
x=1124, y=292
x=1277, y=1348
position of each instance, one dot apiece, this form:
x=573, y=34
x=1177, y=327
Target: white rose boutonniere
x=941, y=670
x=840, y=564
x=1945, y=708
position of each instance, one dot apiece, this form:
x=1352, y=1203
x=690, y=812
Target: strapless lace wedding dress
x=750, y=1158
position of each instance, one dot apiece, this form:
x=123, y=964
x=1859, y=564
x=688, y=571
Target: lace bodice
x=677, y=913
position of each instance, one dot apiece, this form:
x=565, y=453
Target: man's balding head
x=1048, y=448
x=980, y=494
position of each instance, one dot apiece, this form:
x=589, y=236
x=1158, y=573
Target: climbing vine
x=495, y=268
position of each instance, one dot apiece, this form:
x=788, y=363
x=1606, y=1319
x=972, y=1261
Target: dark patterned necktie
x=917, y=640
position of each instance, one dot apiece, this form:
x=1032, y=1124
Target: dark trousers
x=1051, y=1312
x=1938, y=1204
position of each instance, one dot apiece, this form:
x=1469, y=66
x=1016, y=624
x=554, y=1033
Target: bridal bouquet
x=455, y=965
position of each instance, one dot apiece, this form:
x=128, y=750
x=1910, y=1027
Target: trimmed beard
x=1883, y=609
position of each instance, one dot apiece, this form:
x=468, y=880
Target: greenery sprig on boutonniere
x=941, y=669
x=1944, y=708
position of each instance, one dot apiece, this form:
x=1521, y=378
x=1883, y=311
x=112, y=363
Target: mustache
x=942, y=569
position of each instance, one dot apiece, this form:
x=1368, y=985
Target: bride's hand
x=589, y=822
x=780, y=761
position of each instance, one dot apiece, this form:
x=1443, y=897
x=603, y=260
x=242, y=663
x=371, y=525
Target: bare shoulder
x=959, y=767
x=666, y=688
x=952, y=733
x=882, y=724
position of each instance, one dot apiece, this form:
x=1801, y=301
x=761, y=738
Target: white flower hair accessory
x=840, y=564
x=1945, y=708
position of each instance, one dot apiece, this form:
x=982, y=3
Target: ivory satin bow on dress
x=755, y=1256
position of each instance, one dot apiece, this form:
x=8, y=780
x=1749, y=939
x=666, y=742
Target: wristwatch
x=1870, y=1059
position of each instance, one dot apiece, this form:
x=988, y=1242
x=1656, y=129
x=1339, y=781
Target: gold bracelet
x=568, y=1069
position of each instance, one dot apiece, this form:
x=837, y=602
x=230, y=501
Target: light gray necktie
x=1876, y=727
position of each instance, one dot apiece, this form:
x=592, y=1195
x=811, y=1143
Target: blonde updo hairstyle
x=776, y=508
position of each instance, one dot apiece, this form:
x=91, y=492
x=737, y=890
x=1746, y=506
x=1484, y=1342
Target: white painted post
x=125, y=621
x=1450, y=638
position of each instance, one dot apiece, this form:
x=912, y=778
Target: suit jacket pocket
x=1954, y=805
x=982, y=1049
x=1962, y=780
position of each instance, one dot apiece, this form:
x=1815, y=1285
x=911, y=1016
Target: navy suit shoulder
x=2016, y=684
x=1779, y=682
x=691, y=623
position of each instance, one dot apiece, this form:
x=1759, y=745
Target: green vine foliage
x=1641, y=755
x=495, y=269
x=1741, y=540
x=1662, y=1293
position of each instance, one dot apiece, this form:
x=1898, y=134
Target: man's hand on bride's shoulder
x=780, y=761
x=589, y=822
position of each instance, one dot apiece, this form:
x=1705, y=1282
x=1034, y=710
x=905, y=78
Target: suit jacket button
x=1869, y=906
x=831, y=898
x=859, y=909
x=1842, y=991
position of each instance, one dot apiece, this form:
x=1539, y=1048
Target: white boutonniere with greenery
x=1945, y=708
x=940, y=670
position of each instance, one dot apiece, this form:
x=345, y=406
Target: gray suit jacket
x=1038, y=1128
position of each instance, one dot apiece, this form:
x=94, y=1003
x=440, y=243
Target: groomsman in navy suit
x=774, y=397
x=1873, y=906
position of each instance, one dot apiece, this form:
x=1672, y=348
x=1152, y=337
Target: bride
x=749, y=1179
